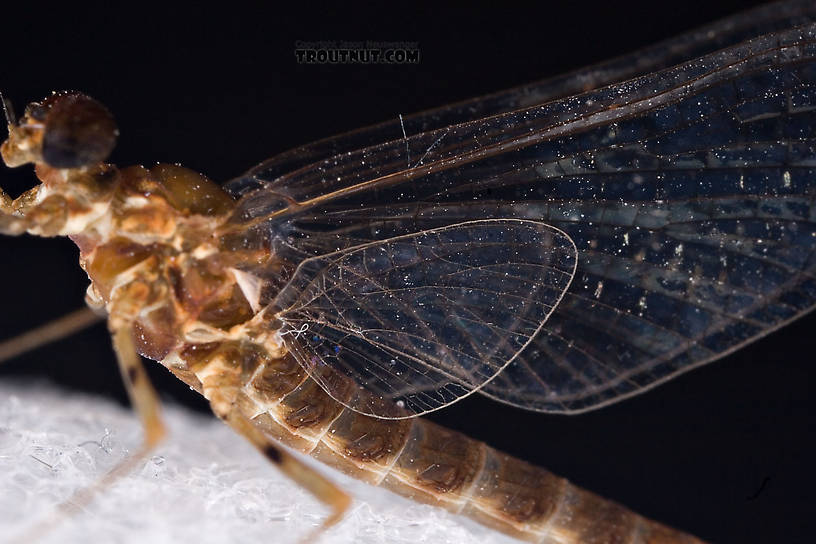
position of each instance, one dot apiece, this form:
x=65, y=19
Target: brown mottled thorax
x=158, y=243
x=147, y=236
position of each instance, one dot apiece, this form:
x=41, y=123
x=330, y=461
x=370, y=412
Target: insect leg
x=146, y=403
x=314, y=482
x=57, y=329
x=13, y=218
x=142, y=395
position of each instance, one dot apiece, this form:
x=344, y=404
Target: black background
x=725, y=451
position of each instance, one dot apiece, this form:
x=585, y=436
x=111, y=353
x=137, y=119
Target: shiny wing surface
x=675, y=50
x=689, y=195
x=427, y=318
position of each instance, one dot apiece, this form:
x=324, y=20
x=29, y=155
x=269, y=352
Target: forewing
x=282, y=170
x=689, y=195
x=427, y=318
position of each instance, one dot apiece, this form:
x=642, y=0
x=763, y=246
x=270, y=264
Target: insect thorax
x=150, y=240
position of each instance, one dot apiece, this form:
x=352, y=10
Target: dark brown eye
x=36, y=111
x=79, y=131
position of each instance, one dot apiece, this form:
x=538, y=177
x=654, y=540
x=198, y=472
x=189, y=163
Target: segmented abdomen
x=429, y=463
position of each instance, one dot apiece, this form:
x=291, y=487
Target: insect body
x=556, y=256
x=175, y=293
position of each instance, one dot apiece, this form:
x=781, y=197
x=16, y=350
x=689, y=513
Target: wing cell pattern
x=426, y=318
x=688, y=194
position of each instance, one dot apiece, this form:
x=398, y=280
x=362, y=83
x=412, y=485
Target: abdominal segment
x=424, y=461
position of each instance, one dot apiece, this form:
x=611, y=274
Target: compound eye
x=79, y=131
x=36, y=111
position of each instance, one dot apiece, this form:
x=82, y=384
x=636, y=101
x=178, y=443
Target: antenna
x=8, y=110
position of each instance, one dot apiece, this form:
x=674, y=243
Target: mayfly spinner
x=557, y=247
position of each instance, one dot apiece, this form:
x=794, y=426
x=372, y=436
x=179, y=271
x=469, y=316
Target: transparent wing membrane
x=427, y=318
x=688, y=193
x=675, y=50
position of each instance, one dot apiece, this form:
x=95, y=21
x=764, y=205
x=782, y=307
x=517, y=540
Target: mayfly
x=557, y=254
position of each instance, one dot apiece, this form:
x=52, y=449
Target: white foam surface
x=204, y=484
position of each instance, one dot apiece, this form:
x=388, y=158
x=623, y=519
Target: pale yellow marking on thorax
x=203, y=251
x=96, y=217
x=128, y=276
x=135, y=202
x=250, y=286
